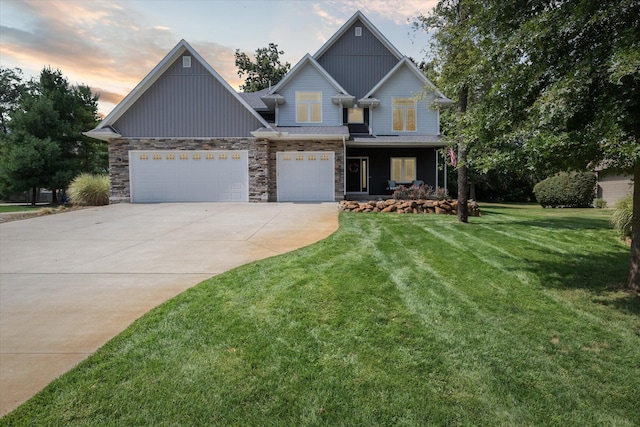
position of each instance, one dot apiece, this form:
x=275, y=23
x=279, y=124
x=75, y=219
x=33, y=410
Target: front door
x=357, y=175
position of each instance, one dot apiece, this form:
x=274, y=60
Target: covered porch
x=371, y=164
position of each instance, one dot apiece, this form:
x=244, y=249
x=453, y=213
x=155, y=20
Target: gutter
x=286, y=136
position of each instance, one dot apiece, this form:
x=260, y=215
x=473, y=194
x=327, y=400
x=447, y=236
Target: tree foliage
x=265, y=71
x=456, y=57
x=553, y=85
x=12, y=88
x=44, y=146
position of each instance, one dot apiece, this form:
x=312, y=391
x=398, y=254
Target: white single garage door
x=305, y=176
x=189, y=176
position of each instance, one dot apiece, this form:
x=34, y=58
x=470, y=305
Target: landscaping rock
x=441, y=207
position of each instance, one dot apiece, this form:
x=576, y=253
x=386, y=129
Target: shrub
x=600, y=203
x=89, y=190
x=621, y=218
x=575, y=189
x=441, y=194
x=401, y=193
x=421, y=192
x=413, y=193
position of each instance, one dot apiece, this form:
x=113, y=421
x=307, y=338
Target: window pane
x=301, y=113
x=397, y=119
x=409, y=170
x=356, y=115
x=396, y=169
x=364, y=175
x=316, y=113
x=404, y=102
x=411, y=119
x=308, y=96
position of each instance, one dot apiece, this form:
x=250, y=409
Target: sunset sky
x=112, y=45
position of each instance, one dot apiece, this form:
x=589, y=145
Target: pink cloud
x=98, y=43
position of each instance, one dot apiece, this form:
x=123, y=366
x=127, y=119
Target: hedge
x=566, y=189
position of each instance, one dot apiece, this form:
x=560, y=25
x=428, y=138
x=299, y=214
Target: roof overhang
x=103, y=134
x=344, y=100
x=369, y=102
x=434, y=141
x=286, y=136
x=272, y=100
x=443, y=102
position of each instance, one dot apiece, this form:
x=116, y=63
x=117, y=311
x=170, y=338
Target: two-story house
x=342, y=122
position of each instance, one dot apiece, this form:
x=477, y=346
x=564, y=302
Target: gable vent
x=358, y=31
x=186, y=62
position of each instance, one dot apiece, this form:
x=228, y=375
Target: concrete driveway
x=72, y=281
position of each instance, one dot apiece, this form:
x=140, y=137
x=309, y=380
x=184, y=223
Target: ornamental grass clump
x=89, y=190
x=621, y=218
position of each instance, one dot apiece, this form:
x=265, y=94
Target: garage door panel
x=189, y=176
x=306, y=176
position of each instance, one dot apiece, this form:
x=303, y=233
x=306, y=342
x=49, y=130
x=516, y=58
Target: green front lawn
x=19, y=208
x=514, y=319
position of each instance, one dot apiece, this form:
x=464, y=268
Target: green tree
x=265, y=71
x=559, y=88
x=54, y=111
x=30, y=164
x=456, y=57
x=12, y=88
x=576, y=84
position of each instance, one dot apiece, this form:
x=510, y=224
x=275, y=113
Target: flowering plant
x=421, y=192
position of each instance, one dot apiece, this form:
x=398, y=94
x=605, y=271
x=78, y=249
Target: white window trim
x=308, y=104
x=404, y=114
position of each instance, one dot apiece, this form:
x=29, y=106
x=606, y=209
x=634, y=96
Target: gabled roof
x=152, y=77
x=406, y=62
x=307, y=59
x=254, y=99
x=370, y=27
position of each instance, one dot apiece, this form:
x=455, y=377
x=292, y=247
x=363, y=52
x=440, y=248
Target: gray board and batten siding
x=187, y=102
x=358, y=63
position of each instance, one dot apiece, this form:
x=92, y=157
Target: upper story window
x=355, y=115
x=309, y=107
x=186, y=61
x=358, y=31
x=404, y=114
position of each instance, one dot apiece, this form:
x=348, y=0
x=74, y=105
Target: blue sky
x=112, y=45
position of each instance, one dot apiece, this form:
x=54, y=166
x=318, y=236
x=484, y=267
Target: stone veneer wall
x=336, y=146
x=119, y=161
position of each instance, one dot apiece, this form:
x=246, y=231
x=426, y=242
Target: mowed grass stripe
x=383, y=323
x=462, y=337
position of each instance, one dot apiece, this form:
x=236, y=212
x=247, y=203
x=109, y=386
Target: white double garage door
x=223, y=176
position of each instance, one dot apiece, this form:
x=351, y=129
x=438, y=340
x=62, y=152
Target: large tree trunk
x=34, y=195
x=463, y=179
x=633, y=280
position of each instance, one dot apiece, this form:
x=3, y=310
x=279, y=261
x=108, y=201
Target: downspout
x=344, y=164
x=437, y=164
x=445, y=174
